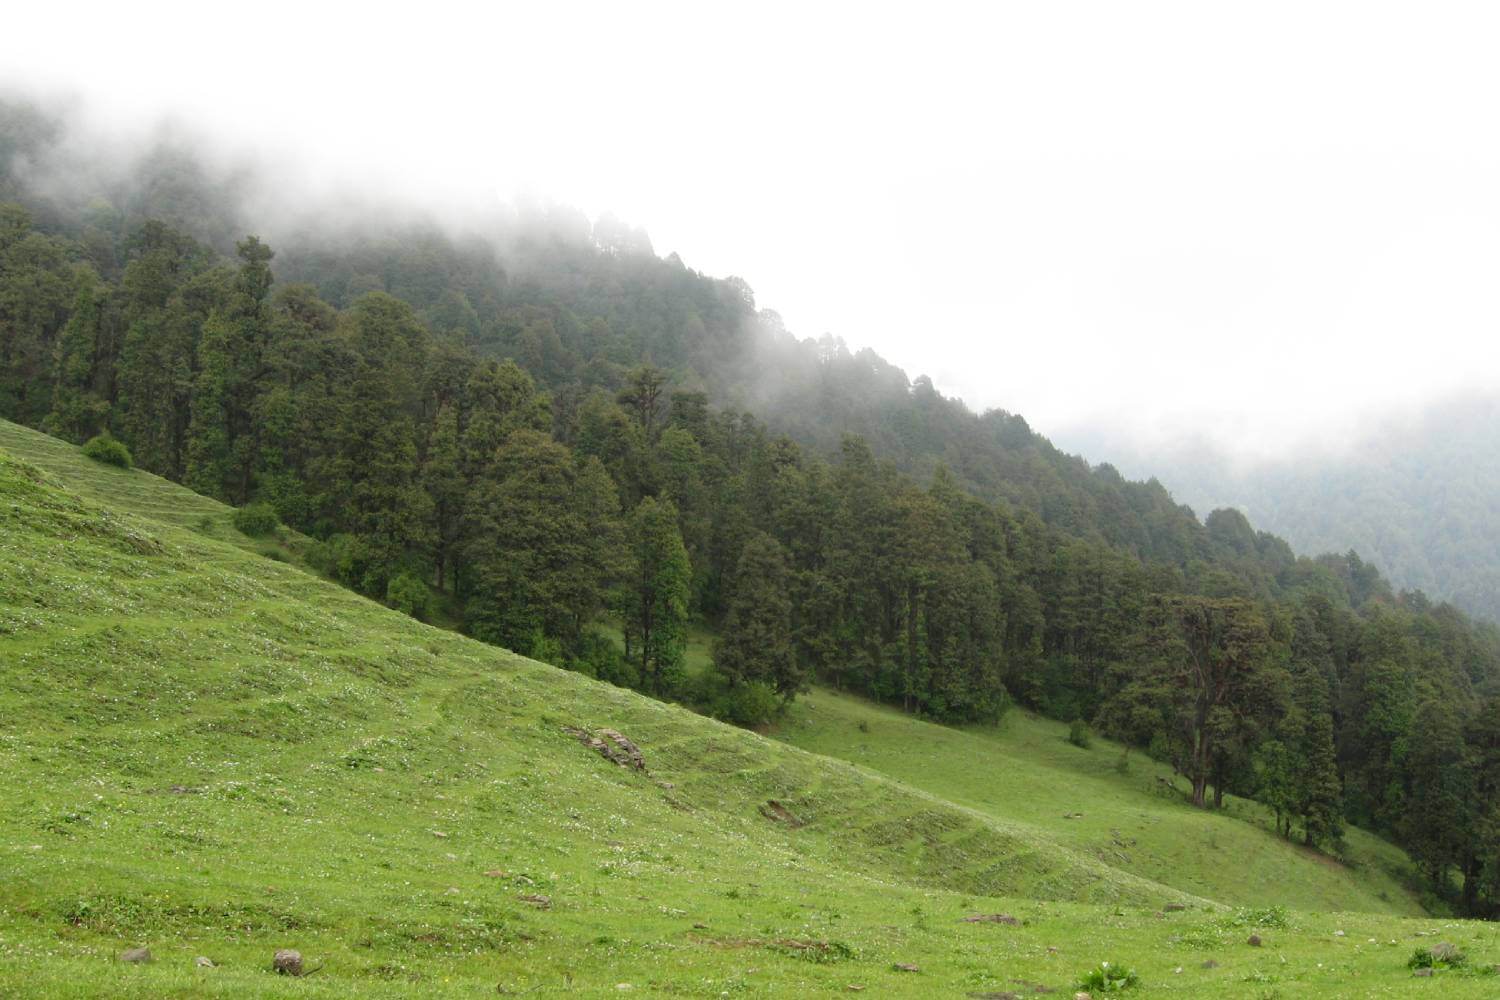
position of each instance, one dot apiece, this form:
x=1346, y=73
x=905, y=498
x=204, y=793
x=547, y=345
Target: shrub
x=545, y=649
x=104, y=448
x=1078, y=734
x=256, y=519
x=347, y=559
x=752, y=704
x=408, y=593
x=600, y=658
x=1109, y=977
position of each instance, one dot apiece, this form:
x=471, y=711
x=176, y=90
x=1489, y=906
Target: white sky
x=1258, y=220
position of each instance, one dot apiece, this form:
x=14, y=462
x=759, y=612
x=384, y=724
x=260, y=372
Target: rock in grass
x=1447, y=953
x=288, y=962
x=1422, y=972
x=203, y=962
x=1254, y=941
x=136, y=955
x=1210, y=964
x=992, y=918
x=905, y=967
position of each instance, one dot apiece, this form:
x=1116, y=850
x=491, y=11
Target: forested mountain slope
x=535, y=428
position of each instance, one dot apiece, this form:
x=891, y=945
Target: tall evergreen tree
x=654, y=599
x=79, y=410
x=755, y=645
x=1319, y=792
x=533, y=556
x=223, y=436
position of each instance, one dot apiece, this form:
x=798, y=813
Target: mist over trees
x=1419, y=497
x=548, y=435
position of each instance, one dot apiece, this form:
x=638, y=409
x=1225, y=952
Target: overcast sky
x=1257, y=220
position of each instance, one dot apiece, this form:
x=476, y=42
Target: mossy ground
x=214, y=753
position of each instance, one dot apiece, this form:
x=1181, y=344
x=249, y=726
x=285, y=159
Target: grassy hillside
x=1137, y=821
x=148, y=497
x=213, y=753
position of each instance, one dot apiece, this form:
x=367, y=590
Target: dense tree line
x=543, y=450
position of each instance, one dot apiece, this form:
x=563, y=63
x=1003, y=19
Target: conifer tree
x=755, y=645
x=1319, y=793
x=443, y=480
x=222, y=435
x=654, y=600
x=533, y=553
x=78, y=410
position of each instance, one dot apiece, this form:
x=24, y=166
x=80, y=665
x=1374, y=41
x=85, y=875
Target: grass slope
x=130, y=491
x=212, y=753
x=1026, y=771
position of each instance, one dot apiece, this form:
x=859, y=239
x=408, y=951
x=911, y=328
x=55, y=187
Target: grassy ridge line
x=1026, y=771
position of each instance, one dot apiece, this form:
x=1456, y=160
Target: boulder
x=288, y=962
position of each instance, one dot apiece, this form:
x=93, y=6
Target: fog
x=1248, y=229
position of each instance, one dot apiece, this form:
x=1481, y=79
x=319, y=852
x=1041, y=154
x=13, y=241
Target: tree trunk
x=1471, y=885
x=1201, y=757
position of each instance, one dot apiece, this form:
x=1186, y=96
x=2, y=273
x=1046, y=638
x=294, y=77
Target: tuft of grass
x=1109, y=977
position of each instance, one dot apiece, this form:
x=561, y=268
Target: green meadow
x=210, y=752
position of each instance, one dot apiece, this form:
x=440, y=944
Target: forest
x=543, y=433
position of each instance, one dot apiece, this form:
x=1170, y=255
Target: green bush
x=752, y=704
x=408, y=593
x=1078, y=734
x=1439, y=956
x=104, y=448
x=256, y=519
x=347, y=559
x=1109, y=977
